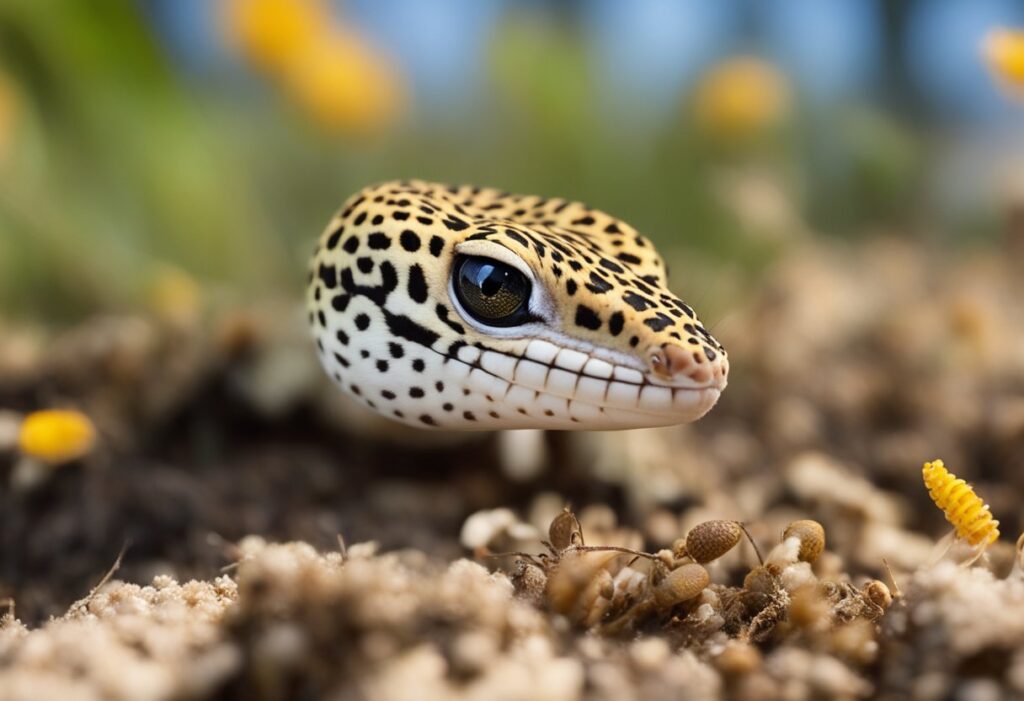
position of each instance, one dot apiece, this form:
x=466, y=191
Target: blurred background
x=157, y=148
x=838, y=186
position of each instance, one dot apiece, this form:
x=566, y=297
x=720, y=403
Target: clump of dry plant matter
x=614, y=590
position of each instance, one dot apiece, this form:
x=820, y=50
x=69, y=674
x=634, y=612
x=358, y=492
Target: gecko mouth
x=550, y=384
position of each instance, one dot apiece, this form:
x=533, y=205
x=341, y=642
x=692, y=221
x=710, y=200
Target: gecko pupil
x=492, y=292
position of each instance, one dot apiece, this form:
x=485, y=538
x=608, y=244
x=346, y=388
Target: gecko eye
x=492, y=292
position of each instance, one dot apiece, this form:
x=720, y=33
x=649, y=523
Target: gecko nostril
x=672, y=361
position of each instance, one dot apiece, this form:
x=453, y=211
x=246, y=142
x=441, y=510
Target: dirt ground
x=219, y=439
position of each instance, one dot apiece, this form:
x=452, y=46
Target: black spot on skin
x=612, y=228
x=597, y=284
x=400, y=216
x=399, y=414
x=587, y=318
x=710, y=353
x=442, y=314
x=636, y=301
x=328, y=275
x=494, y=414
x=418, y=365
x=378, y=294
x=517, y=238
x=417, y=284
x=454, y=348
x=340, y=302
x=454, y=223
x=436, y=245
x=365, y=264
x=404, y=327
x=378, y=241
x=468, y=416
x=557, y=257
x=426, y=221
x=332, y=240
x=611, y=265
x=686, y=309
x=351, y=244
x=387, y=394
x=659, y=322
x=320, y=317
x=556, y=271
x=342, y=337
x=360, y=218
x=410, y=241
x=416, y=392
x=364, y=354
x=570, y=287
x=378, y=220
x=439, y=386
x=341, y=360
x=447, y=406
x=362, y=322
x=355, y=390
x=575, y=265
x=634, y=341
x=382, y=365
x=615, y=323
x=583, y=221
x=396, y=350
x=629, y=258
x=428, y=420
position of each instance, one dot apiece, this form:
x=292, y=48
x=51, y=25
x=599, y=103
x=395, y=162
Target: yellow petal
x=740, y=98
x=56, y=435
x=270, y=32
x=345, y=84
x=1003, y=50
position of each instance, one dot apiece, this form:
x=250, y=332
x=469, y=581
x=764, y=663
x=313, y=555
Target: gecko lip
x=570, y=387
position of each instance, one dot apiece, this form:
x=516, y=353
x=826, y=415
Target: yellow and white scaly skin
x=470, y=308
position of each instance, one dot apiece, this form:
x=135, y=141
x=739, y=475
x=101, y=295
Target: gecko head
x=468, y=319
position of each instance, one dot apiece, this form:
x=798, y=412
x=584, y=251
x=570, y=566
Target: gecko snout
x=704, y=366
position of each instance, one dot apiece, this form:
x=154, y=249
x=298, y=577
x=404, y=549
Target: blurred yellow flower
x=741, y=98
x=56, y=435
x=175, y=295
x=332, y=72
x=271, y=32
x=1003, y=50
x=344, y=84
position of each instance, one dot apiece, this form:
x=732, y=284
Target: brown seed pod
x=877, y=593
x=811, y=535
x=710, y=540
x=565, y=530
x=681, y=584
